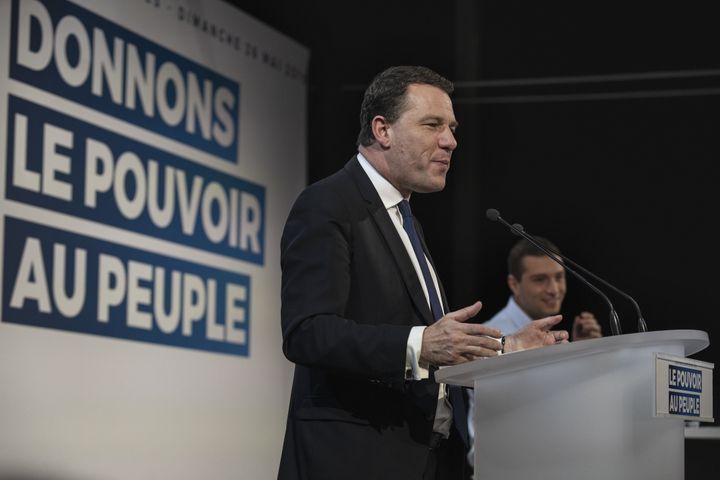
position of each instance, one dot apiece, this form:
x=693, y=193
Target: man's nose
x=447, y=140
x=553, y=287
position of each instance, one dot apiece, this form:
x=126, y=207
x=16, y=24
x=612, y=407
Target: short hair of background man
x=524, y=248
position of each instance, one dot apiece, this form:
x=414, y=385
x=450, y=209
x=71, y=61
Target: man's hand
x=450, y=340
x=585, y=326
x=536, y=334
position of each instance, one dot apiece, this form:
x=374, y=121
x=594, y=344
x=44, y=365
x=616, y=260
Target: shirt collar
x=520, y=318
x=389, y=195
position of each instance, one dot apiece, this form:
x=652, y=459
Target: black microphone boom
x=642, y=326
x=494, y=215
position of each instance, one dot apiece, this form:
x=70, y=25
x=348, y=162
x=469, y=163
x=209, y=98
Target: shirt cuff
x=413, y=369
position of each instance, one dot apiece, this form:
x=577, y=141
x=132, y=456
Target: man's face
x=421, y=141
x=541, y=288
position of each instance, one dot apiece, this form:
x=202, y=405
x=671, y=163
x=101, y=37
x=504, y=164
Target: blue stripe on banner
x=682, y=378
x=684, y=404
x=67, y=50
x=61, y=280
x=67, y=165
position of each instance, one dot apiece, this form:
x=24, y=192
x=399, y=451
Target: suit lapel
x=392, y=239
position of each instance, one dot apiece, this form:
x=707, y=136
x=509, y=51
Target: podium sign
x=683, y=388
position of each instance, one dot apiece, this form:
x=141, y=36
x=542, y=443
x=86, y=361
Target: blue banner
x=64, y=164
x=67, y=50
x=56, y=279
x=682, y=378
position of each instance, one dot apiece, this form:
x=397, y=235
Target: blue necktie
x=456, y=393
x=409, y=227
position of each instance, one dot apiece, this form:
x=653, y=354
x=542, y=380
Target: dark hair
x=387, y=93
x=524, y=248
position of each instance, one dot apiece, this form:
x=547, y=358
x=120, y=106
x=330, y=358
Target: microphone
x=494, y=215
x=642, y=326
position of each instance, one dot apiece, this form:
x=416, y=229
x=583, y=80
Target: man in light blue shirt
x=538, y=288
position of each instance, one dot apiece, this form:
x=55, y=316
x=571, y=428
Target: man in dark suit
x=364, y=316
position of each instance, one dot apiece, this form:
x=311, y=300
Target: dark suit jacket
x=350, y=296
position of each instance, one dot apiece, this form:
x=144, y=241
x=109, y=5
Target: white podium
x=577, y=411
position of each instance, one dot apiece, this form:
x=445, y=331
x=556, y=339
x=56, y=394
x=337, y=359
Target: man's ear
x=381, y=130
x=513, y=284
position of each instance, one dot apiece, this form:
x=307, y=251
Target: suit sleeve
x=317, y=247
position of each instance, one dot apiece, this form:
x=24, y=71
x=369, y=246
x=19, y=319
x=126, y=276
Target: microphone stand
x=494, y=215
x=642, y=326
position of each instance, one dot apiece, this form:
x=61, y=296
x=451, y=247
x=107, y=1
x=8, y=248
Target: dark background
x=595, y=124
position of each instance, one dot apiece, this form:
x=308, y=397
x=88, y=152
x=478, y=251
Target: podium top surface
x=465, y=374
